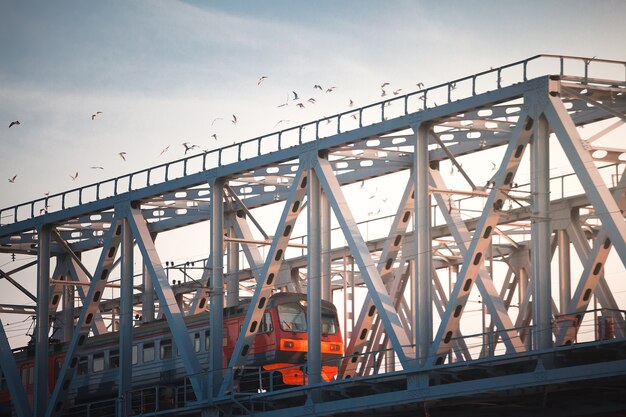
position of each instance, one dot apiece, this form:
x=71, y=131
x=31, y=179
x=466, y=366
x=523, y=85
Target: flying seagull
x=98, y=167
x=330, y=90
x=319, y=87
x=12, y=179
x=74, y=177
x=300, y=105
x=234, y=119
x=214, y=136
x=121, y=154
x=351, y=103
x=263, y=78
x=188, y=147
x=311, y=100
x=420, y=85
x=295, y=95
x=93, y=116
x=15, y=123
x=216, y=119
x=164, y=150
x=383, y=85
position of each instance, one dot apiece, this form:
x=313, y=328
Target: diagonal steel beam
x=87, y=314
x=596, y=189
x=78, y=274
x=167, y=301
x=271, y=267
x=17, y=285
x=481, y=239
x=591, y=276
x=383, y=303
x=359, y=343
x=491, y=297
x=12, y=377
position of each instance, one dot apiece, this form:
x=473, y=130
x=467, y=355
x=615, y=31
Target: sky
x=167, y=72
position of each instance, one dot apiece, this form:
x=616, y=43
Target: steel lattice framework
x=475, y=202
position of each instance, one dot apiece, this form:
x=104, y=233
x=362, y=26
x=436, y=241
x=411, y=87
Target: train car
x=276, y=359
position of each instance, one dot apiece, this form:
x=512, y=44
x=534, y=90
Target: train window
x=135, y=354
x=98, y=362
x=196, y=342
x=148, y=352
x=329, y=323
x=292, y=318
x=114, y=359
x=266, y=323
x=166, y=349
x=83, y=364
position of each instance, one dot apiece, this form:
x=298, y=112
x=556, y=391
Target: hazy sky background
x=161, y=71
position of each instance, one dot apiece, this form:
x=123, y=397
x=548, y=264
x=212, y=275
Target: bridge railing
x=569, y=67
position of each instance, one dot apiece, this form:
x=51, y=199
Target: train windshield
x=292, y=318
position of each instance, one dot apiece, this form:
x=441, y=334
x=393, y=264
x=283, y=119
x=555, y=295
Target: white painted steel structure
x=493, y=239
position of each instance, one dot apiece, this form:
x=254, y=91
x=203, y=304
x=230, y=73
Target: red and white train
x=277, y=358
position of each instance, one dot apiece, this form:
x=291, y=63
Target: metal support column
x=68, y=309
x=216, y=287
x=41, y=339
x=147, y=303
x=422, y=313
x=126, y=320
x=565, y=282
x=327, y=291
x=314, y=280
x=232, y=285
x=541, y=232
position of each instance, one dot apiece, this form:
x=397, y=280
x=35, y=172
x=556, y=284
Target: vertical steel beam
x=126, y=321
x=147, y=299
x=12, y=377
x=565, y=278
x=422, y=314
x=541, y=233
x=68, y=308
x=216, y=287
x=232, y=285
x=327, y=291
x=314, y=278
x=43, y=320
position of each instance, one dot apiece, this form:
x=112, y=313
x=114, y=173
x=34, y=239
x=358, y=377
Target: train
x=277, y=359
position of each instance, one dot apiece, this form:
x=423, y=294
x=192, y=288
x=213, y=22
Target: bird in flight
x=420, y=85
x=164, y=150
x=121, y=154
x=300, y=105
x=319, y=87
x=351, y=103
x=12, y=179
x=15, y=123
x=93, y=116
x=98, y=167
x=286, y=103
x=214, y=136
x=295, y=95
x=189, y=147
x=263, y=78
x=311, y=100
x=281, y=121
x=74, y=177
x=395, y=93
x=330, y=90
x=234, y=119
x=216, y=119
x=383, y=85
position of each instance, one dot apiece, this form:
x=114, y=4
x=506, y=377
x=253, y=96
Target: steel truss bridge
x=474, y=212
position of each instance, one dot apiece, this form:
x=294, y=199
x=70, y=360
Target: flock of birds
x=292, y=98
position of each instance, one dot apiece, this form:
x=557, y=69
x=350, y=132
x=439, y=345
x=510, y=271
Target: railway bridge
x=471, y=235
